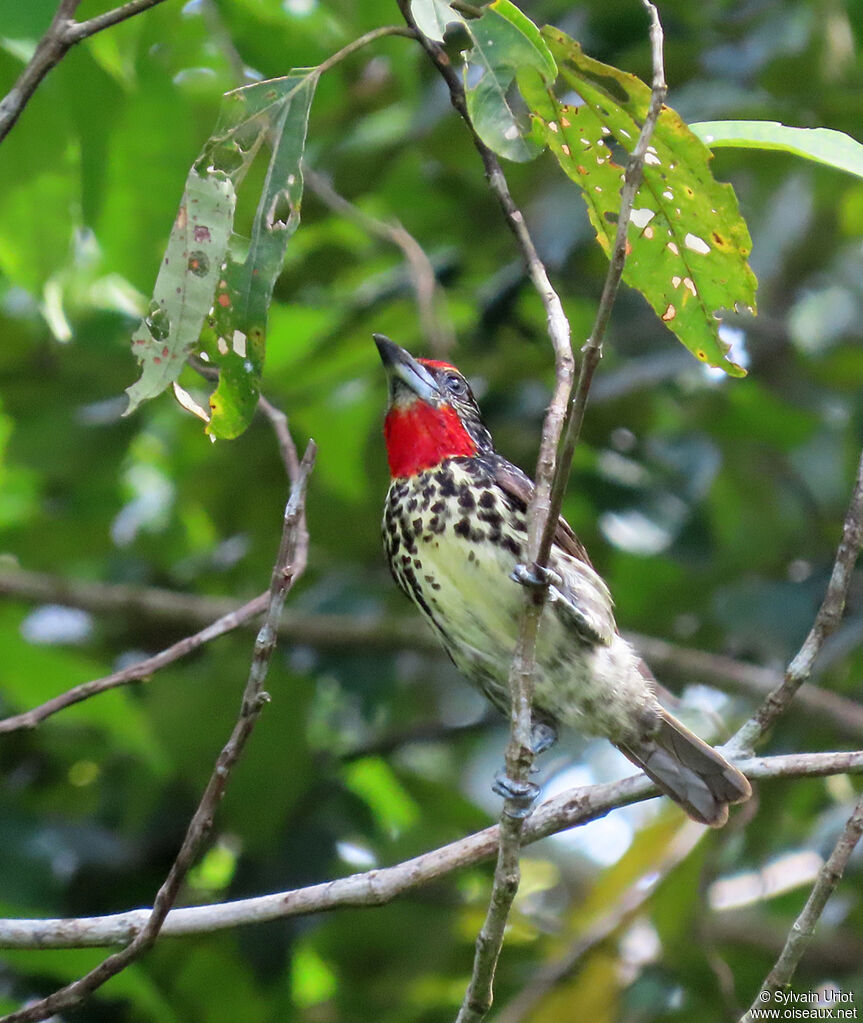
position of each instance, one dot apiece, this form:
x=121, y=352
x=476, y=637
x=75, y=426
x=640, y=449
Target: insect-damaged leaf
x=208, y=298
x=505, y=43
x=184, y=287
x=688, y=244
x=237, y=340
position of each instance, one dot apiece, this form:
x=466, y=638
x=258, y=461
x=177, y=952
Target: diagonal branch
x=565, y=412
x=382, y=885
x=63, y=33
x=290, y=558
x=826, y=622
x=136, y=672
x=592, y=350
x=803, y=927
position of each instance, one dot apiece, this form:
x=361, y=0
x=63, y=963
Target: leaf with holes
x=687, y=243
x=185, y=284
x=505, y=43
x=241, y=305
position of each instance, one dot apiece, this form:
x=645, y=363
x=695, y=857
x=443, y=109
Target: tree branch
x=519, y=755
x=379, y=886
x=136, y=672
x=592, y=350
x=289, y=561
x=826, y=622
x=803, y=928
x=63, y=33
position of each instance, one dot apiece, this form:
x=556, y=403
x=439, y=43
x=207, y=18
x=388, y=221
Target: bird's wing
x=519, y=488
x=578, y=594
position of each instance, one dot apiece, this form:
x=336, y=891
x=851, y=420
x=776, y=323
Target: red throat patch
x=421, y=436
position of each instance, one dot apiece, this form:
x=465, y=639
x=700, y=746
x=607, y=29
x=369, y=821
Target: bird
x=455, y=536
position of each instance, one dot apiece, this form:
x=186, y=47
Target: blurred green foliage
x=712, y=506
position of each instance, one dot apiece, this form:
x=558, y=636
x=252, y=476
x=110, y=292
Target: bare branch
x=63, y=33
x=379, y=886
x=136, y=672
x=519, y=755
x=826, y=622
x=290, y=557
x=592, y=350
x=803, y=927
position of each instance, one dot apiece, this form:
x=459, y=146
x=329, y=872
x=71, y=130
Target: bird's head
x=432, y=413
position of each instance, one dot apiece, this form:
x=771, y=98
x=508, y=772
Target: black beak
x=403, y=370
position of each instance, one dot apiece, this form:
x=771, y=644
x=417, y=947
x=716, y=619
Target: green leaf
x=208, y=298
x=823, y=145
x=185, y=285
x=246, y=287
x=433, y=16
x=688, y=243
x=505, y=43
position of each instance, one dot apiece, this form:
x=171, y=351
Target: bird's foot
x=519, y=795
x=542, y=737
x=534, y=576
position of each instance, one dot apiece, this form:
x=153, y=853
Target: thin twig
x=803, y=927
x=63, y=33
x=592, y=350
x=135, y=672
x=826, y=622
x=382, y=885
x=436, y=325
x=285, y=572
x=519, y=755
x=551, y=477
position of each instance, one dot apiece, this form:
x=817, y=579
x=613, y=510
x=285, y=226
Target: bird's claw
x=542, y=737
x=519, y=795
x=534, y=576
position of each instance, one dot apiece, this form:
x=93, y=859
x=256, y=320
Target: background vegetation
x=712, y=506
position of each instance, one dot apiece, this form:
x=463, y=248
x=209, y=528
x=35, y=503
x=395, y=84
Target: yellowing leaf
x=688, y=244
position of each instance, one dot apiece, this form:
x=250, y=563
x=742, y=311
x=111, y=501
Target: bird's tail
x=692, y=773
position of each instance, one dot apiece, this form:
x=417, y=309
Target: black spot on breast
x=466, y=499
x=462, y=528
x=417, y=525
x=493, y=518
x=412, y=504
x=512, y=545
x=447, y=484
x=437, y=524
x=487, y=499
x=438, y=507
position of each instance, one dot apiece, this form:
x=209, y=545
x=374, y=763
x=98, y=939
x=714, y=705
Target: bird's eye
x=456, y=385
